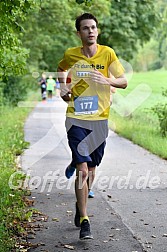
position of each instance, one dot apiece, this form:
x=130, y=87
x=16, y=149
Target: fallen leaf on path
x=112, y=239
x=137, y=237
x=42, y=218
x=42, y=244
x=69, y=247
x=114, y=214
x=115, y=200
x=28, y=202
x=69, y=213
x=61, y=194
x=148, y=246
x=148, y=242
x=26, y=245
x=31, y=231
x=55, y=219
x=31, y=237
x=111, y=235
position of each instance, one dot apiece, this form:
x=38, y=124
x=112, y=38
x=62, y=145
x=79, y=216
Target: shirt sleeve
x=115, y=68
x=63, y=64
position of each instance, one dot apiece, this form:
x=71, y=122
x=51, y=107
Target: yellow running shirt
x=90, y=100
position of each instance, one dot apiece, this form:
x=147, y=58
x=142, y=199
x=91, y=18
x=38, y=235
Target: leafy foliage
x=152, y=55
x=36, y=33
x=161, y=111
x=147, y=57
x=15, y=88
x=12, y=55
x=87, y=2
x=161, y=36
x=51, y=29
x=130, y=23
x=11, y=144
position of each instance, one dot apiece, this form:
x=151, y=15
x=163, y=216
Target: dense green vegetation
x=38, y=32
x=130, y=24
x=11, y=145
x=153, y=54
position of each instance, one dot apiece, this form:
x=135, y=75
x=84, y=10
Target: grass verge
x=142, y=126
x=12, y=207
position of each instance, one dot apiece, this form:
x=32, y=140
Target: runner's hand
x=98, y=77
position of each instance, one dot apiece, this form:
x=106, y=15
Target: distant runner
x=42, y=83
x=51, y=83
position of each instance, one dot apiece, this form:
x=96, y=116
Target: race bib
x=86, y=105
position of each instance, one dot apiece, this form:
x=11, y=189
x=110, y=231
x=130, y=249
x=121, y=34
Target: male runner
x=88, y=107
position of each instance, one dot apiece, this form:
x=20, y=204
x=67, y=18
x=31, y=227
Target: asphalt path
x=128, y=213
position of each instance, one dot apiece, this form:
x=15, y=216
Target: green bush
x=161, y=111
x=155, y=65
x=15, y=89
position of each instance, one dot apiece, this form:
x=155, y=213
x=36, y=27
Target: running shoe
x=77, y=217
x=91, y=194
x=85, y=230
x=69, y=171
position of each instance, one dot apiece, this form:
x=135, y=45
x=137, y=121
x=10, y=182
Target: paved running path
x=128, y=212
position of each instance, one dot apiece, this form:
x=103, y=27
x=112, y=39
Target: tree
x=130, y=23
x=162, y=36
x=36, y=33
x=51, y=30
x=153, y=54
x=12, y=55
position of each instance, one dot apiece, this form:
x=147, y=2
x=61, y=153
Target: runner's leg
x=81, y=188
x=91, y=176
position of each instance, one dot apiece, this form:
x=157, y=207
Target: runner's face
x=88, y=32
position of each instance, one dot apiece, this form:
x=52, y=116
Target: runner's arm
x=119, y=82
x=64, y=93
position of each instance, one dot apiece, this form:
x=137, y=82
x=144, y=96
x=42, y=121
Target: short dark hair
x=83, y=17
